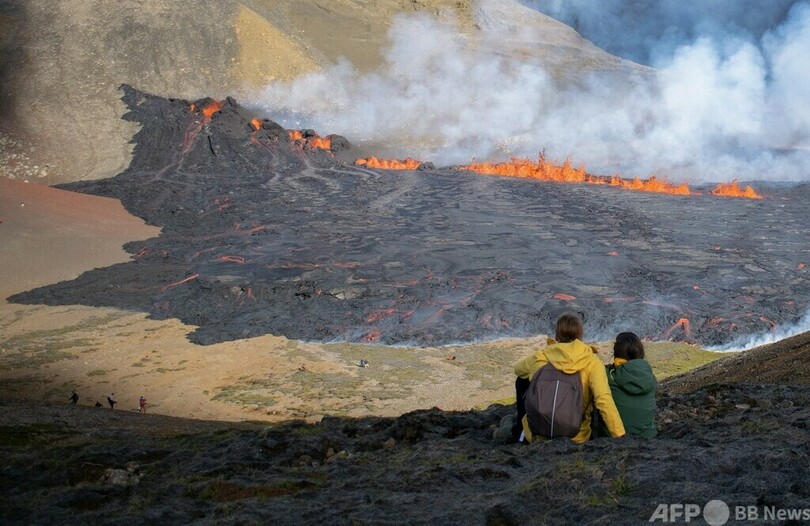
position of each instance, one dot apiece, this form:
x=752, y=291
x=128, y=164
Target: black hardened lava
x=265, y=234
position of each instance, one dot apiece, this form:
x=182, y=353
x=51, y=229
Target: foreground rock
x=747, y=445
x=785, y=361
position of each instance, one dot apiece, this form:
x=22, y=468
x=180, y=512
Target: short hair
x=628, y=346
x=569, y=328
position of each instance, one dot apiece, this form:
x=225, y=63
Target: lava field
x=265, y=230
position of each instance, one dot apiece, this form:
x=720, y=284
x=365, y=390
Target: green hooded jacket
x=633, y=386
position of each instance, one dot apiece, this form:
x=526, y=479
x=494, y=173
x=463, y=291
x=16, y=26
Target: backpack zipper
x=554, y=408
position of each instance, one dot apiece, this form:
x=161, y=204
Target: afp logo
x=715, y=513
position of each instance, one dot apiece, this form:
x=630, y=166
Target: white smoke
x=434, y=97
x=750, y=341
x=720, y=107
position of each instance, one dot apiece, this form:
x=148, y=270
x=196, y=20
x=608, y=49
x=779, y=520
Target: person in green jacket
x=633, y=386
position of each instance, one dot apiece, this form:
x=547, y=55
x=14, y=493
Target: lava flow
x=681, y=325
x=389, y=164
x=294, y=242
x=310, y=140
x=733, y=189
x=544, y=170
x=211, y=108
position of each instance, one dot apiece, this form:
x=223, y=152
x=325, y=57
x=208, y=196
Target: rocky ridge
x=745, y=444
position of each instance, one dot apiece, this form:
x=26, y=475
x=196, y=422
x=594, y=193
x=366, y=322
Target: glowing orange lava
x=544, y=170
x=524, y=168
x=322, y=143
x=653, y=184
x=564, y=297
x=176, y=283
x=682, y=324
x=733, y=189
x=378, y=315
x=256, y=123
x=389, y=164
x=212, y=107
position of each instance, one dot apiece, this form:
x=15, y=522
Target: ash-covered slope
x=263, y=233
x=783, y=362
x=744, y=445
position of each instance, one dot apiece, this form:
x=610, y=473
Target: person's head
x=569, y=328
x=628, y=346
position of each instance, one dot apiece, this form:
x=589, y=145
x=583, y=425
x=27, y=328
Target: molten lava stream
x=683, y=325
x=389, y=164
x=733, y=189
x=564, y=297
x=544, y=170
x=176, y=283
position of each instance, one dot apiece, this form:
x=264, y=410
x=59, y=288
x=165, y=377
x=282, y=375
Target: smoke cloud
x=750, y=341
x=727, y=99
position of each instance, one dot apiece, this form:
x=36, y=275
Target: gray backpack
x=554, y=403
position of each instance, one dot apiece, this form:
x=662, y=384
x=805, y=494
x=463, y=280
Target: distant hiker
x=550, y=384
x=142, y=405
x=111, y=400
x=74, y=398
x=633, y=385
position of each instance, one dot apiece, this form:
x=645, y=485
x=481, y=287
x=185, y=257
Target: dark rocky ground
x=746, y=444
x=262, y=234
x=784, y=362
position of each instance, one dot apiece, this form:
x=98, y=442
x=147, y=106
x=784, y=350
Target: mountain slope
x=784, y=362
x=61, y=63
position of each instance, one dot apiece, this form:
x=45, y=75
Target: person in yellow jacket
x=569, y=355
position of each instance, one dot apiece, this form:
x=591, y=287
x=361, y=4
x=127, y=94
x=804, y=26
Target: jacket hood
x=569, y=357
x=635, y=377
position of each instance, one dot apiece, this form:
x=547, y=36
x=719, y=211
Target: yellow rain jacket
x=570, y=358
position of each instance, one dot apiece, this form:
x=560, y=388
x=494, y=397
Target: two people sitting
x=571, y=386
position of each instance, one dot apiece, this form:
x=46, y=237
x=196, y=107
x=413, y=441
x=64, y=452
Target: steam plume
x=755, y=340
x=724, y=104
